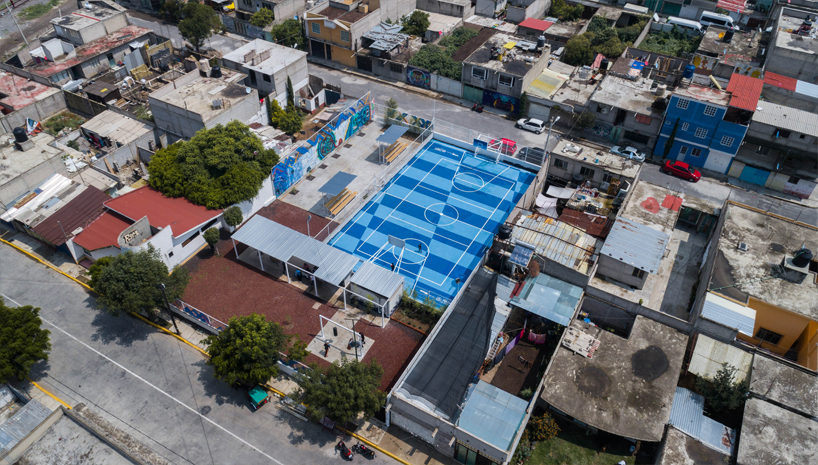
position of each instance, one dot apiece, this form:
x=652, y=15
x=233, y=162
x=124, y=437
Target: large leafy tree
x=342, y=392
x=199, y=23
x=23, y=341
x=417, y=24
x=219, y=167
x=724, y=393
x=262, y=18
x=247, y=351
x=130, y=282
x=172, y=10
x=578, y=51
x=289, y=33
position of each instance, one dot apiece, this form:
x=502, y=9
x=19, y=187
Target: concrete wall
x=298, y=74
x=383, y=68
x=493, y=77
x=456, y=9
x=574, y=167
x=621, y=272
x=20, y=448
x=38, y=111
x=92, y=67
x=264, y=197
x=520, y=10
x=558, y=270
x=634, y=308
x=651, y=131
x=287, y=9
x=487, y=8
x=791, y=99
x=94, y=31
x=244, y=111
x=764, y=134
x=788, y=62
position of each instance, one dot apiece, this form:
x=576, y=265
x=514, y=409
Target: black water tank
x=540, y=41
x=578, y=179
x=216, y=72
x=504, y=233
x=603, y=65
x=20, y=135
x=728, y=35
x=802, y=258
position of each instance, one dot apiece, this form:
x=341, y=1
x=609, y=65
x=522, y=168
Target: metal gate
x=472, y=94
x=317, y=49
x=754, y=175
x=364, y=63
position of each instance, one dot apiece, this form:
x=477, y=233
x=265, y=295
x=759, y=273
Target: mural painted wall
x=501, y=101
x=418, y=77
x=295, y=166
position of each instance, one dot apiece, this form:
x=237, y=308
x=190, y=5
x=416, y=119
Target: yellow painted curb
x=50, y=394
x=375, y=446
x=171, y=333
x=48, y=264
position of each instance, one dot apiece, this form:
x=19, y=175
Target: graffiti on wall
x=415, y=121
x=305, y=157
x=500, y=101
x=418, y=77
x=194, y=313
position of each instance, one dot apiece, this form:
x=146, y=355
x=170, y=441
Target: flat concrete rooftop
x=198, y=96
x=704, y=94
x=784, y=384
x=785, y=39
x=742, y=45
x=771, y=434
x=265, y=57
x=593, y=157
x=769, y=239
x=636, y=96
x=514, y=61
x=14, y=162
x=653, y=206
x=681, y=449
x=626, y=387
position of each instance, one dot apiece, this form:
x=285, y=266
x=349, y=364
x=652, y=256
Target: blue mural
x=300, y=161
x=418, y=77
x=500, y=101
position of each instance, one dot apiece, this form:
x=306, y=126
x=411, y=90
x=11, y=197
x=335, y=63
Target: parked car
x=532, y=155
x=505, y=146
x=629, y=152
x=531, y=124
x=682, y=169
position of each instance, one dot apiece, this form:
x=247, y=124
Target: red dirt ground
x=296, y=218
x=224, y=287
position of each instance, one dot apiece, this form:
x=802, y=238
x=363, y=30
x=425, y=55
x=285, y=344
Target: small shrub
x=527, y=393
x=543, y=428
x=57, y=123
x=233, y=216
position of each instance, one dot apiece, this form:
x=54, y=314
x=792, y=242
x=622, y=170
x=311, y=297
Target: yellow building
x=762, y=283
x=334, y=29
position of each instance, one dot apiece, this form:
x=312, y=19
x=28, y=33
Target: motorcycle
x=345, y=452
x=477, y=108
x=363, y=450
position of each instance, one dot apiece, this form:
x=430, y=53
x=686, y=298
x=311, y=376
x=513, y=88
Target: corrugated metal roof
x=637, y=245
x=39, y=203
x=118, y=127
x=180, y=214
x=729, y=313
x=788, y=118
x=377, y=279
x=558, y=241
x=549, y=297
x=745, y=91
x=493, y=415
x=77, y=213
x=19, y=425
x=687, y=415
x=282, y=243
x=522, y=254
x=102, y=232
x=710, y=355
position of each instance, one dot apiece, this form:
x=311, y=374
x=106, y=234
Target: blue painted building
x=708, y=130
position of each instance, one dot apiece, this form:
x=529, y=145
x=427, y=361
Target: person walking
x=420, y=247
x=393, y=267
x=326, y=349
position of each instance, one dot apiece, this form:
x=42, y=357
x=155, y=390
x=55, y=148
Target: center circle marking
x=467, y=179
x=441, y=213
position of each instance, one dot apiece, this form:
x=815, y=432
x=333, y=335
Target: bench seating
x=337, y=203
x=395, y=150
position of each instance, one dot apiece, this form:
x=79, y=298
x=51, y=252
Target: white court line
x=151, y=385
x=455, y=219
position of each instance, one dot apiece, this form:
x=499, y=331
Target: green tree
x=290, y=95
x=199, y=23
x=233, y=216
x=218, y=167
x=437, y=60
x=130, y=283
x=274, y=111
x=578, y=51
x=95, y=271
x=23, y=341
x=172, y=10
x=344, y=391
x=211, y=236
x=289, y=34
x=262, y=18
x=724, y=393
x=392, y=113
x=417, y=24
x=670, y=140
x=564, y=11
x=586, y=119
x=523, y=107
x=298, y=350
x=291, y=123
x=457, y=38
x=247, y=351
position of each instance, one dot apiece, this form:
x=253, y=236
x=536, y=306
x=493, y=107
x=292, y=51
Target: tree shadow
x=308, y=433
x=123, y=330
x=221, y=392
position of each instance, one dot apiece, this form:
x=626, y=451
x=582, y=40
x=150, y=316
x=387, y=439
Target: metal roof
x=386, y=36
x=179, y=213
x=745, y=91
x=522, y=254
x=337, y=183
x=78, y=213
x=117, y=127
x=687, y=415
x=282, y=243
x=19, y=425
x=710, y=355
x=788, y=118
x=637, y=245
x=549, y=297
x=102, y=232
x=729, y=313
x=392, y=134
x=377, y=279
x=558, y=241
x=44, y=200
x=493, y=415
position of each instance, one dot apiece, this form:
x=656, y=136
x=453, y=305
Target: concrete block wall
x=38, y=111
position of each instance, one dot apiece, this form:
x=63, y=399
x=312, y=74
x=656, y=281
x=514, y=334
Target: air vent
x=743, y=246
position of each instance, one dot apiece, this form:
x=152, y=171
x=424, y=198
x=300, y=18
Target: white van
x=690, y=25
x=709, y=18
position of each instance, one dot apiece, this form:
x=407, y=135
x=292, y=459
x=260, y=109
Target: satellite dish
x=248, y=90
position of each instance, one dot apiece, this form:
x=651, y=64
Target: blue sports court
x=446, y=205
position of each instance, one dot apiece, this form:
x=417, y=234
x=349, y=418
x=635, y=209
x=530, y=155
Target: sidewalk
x=58, y=259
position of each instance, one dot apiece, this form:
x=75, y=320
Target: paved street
x=151, y=385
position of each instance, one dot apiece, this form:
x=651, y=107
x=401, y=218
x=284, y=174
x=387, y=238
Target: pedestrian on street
x=363, y=338
x=326, y=349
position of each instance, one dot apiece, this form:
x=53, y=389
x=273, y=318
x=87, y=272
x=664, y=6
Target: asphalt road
x=151, y=385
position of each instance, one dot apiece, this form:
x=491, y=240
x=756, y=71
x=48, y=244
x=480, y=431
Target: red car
x=683, y=170
x=505, y=146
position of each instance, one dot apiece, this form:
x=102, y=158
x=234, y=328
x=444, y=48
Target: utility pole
x=162, y=286
x=547, y=138
x=15, y=23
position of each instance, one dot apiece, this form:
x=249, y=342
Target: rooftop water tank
x=216, y=72
x=20, y=135
x=801, y=259
x=689, y=71
x=504, y=233
x=540, y=41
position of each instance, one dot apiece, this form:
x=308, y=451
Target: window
x=478, y=73
x=316, y=28
x=727, y=141
x=701, y=133
x=74, y=34
x=189, y=239
x=685, y=126
x=560, y=164
x=710, y=110
x=209, y=224
x=586, y=172
x=395, y=68
x=266, y=77
x=683, y=150
x=793, y=180
x=94, y=62
x=768, y=336
x=247, y=3
x=782, y=133
x=60, y=76
x=682, y=103
x=637, y=273
x=170, y=254
x=507, y=81
x=607, y=177
x=345, y=36
x=695, y=152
